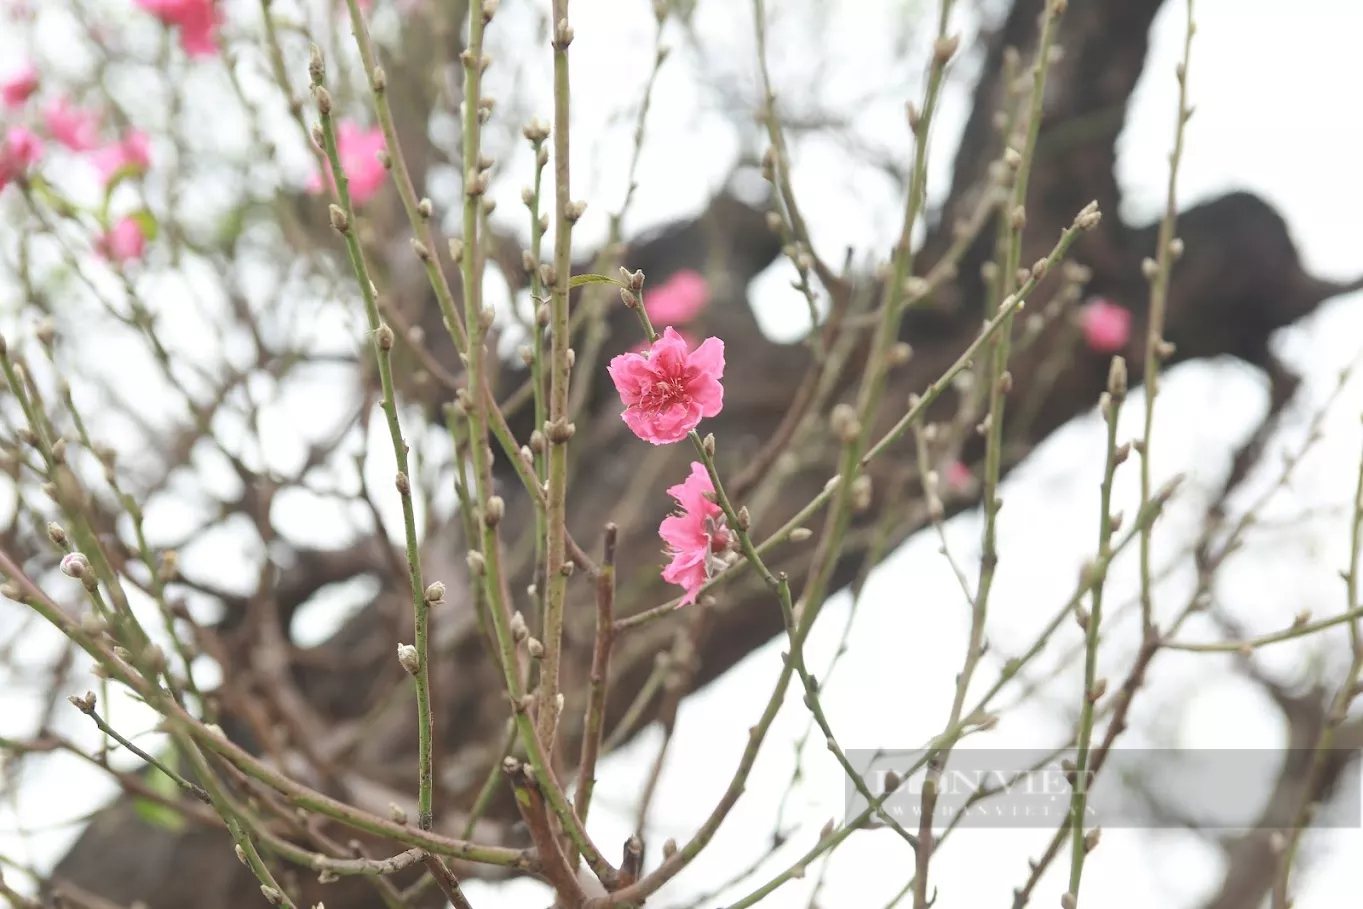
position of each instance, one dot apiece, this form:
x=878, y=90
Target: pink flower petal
x=668, y=391
x=124, y=242
x=679, y=300
x=19, y=86
x=358, y=151
x=693, y=534
x=1106, y=326
x=19, y=151
x=197, y=21
x=73, y=127
x=133, y=153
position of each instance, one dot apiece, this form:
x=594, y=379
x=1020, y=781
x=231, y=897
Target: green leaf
x=147, y=222
x=155, y=813
x=580, y=280
x=126, y=172
x=159, y=815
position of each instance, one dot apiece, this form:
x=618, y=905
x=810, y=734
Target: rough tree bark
x=1238, y=281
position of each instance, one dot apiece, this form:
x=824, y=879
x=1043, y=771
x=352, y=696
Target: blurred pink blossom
x=133, y=152
x=20, y=150
x=678, y=300
x=693, y=535
x=19, y=86
x=668, y=392
x=125, y=241
x=197, y=21
x=358, y=150
x=1106, y=326
x=958, y=475
x=73, y=127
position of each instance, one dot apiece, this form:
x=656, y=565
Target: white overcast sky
x=1275, y=87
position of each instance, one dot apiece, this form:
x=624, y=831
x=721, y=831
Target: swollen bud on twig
x=407, y=656
x=85, y=705
x=914, y=116
x=1088, y=217
x=396, y=814
x=559, y=432
x=563, y=35
x=1116, y=378
x=75, y=565
x=861, y=493
x=845, y=424
x=493, y=511
x=536, y=131
x=57, y=534
x=385, y=337
x=316, y=68
x=435, y=592
x=945, y=48
x=477, y=565
x=323, y=100
x=338, y=218
x=519, y=631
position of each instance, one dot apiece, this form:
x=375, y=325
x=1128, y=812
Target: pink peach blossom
x=678, y=300
x=358, y=150
x=670, y=390
x=694, y=535
x=643, y=347
x=132, y=152
x=73, y=127
x=958, y=475
x=19, y=151
x=19, y=86
x=1106, y=326
x=125, y=241
x=197, y=21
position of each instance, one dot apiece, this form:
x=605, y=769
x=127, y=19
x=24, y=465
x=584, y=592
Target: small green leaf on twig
x=580, y=280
